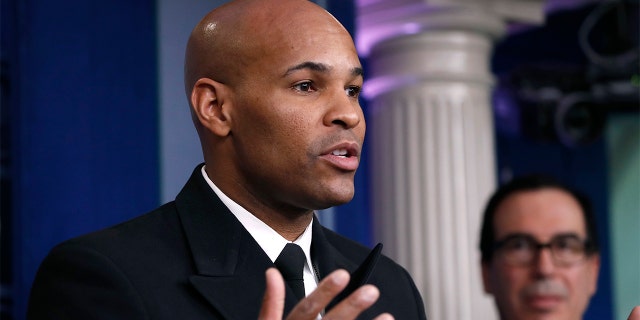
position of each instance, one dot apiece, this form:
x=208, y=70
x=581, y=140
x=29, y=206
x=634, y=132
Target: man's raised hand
x=309, y=307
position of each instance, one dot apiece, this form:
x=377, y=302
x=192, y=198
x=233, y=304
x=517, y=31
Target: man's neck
x=289, y=228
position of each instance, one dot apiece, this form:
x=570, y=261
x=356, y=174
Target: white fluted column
x=432, y=147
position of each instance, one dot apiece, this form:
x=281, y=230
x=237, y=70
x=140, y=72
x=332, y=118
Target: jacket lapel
x=229, y=264
x=326, y=257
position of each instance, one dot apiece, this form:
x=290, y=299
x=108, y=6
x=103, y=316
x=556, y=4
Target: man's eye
x=306, y=86
x=518, y=244
x=568, y=244
x=353, y=92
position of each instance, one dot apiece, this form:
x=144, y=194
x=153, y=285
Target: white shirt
x=269, y=240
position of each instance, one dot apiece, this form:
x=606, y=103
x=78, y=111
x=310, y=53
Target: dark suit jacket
x=190, y=259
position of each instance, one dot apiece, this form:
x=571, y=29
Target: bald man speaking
x=273, y=88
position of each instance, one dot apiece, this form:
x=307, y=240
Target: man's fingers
x=384, y=316
x=309, y=307
x=327, y=289
x=354, y=304
x=273, y=301
x=635, y=313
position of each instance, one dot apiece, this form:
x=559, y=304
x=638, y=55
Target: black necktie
x=290, y=262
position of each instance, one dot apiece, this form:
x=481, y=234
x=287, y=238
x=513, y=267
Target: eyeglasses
x=522, y=250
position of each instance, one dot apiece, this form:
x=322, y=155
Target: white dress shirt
x=269, y=240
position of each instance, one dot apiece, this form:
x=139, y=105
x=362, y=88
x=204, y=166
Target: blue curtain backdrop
x=83, y=123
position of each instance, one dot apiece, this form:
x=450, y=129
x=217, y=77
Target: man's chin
x=337, y=195
x=332, y=203
x=545, y=304
x=543, y=309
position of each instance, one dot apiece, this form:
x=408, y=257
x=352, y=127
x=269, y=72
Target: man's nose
x=344, y=111
x=544, y=263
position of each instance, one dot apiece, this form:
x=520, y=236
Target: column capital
x=379, y=20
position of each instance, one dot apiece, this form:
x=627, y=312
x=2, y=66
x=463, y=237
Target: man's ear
x=594, y=265
x=208, y=103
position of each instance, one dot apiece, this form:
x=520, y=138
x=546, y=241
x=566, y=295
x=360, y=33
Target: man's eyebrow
x=320, y=67
x=358, y=71
x=566, y=234
x=570, y=234
x=315, y=66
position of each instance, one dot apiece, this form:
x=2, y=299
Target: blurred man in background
x=540, y=256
